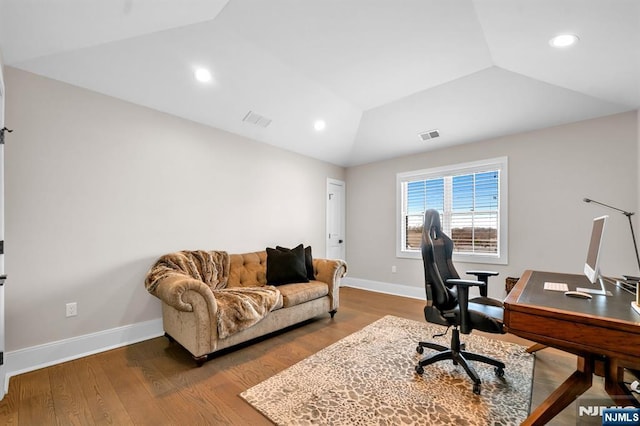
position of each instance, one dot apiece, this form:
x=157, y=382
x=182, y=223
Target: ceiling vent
x=256, y=119
x=430, y=134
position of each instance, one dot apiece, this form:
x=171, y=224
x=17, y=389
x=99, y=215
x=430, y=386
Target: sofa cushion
x=286, y=266
x=248, y=269
x=297, y=293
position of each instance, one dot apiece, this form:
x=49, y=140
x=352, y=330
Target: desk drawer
x=575, y=337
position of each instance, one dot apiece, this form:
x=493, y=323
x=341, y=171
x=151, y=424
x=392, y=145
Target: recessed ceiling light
x=319, y=125
x=203, y=75
x=564, y=40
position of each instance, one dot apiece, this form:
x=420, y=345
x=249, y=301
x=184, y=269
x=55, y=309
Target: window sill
x=462, y=258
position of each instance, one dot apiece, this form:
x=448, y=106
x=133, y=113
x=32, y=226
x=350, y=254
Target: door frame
x=4, y=384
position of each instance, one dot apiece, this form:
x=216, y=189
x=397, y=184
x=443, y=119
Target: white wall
x=98, y=188
x=550, y=172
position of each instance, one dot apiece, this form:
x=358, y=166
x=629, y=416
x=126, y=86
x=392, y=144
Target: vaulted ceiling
x=378, y=72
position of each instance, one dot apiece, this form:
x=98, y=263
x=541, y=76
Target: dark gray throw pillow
x=286, y=266
x=308, y=261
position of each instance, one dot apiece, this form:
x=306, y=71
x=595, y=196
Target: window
x=472, y=201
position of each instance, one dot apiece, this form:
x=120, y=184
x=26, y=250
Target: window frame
x=499, y=163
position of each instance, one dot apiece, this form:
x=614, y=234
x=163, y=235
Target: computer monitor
x=591, y=266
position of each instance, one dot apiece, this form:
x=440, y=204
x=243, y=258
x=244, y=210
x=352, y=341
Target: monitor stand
x=601, y=291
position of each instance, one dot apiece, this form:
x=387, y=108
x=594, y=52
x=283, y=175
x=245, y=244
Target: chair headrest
x=431, y=221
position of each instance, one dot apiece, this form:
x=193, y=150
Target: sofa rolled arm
x=172, y=290
x=331, y=271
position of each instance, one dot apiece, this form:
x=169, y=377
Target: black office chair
x=448, y=303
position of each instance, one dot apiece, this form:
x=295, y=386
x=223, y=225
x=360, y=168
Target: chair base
x=458, y=356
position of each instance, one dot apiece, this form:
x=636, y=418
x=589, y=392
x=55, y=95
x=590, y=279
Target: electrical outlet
x=72, y=309
x=394, y=269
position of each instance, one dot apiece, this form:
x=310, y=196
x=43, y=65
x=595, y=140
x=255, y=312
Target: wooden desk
x=604, y=332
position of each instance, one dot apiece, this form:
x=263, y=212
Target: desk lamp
x=633, y=235
x=635, y=305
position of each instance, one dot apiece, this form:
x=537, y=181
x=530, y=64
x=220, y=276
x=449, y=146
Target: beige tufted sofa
x=189, y=304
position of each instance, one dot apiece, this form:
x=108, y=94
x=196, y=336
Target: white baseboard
x=382, y=287
x=36, y=357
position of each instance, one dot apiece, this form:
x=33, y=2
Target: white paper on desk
x=549, y=285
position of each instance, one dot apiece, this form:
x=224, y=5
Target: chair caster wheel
x=420, y=349
x=463, y=346
x=476, y=388
x=499, y=371
x=419, y=369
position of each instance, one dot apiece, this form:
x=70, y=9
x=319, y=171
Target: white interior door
x=3, y=385
x=335, y=219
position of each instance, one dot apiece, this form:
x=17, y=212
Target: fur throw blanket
x=238, y=308
x=241, y=307
x=210, y=267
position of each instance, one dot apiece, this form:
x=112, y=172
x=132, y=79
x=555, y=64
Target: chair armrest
x=330, y=271
x=466, y=283
x=484, y=274
x=173, y=290
x=463, y=300
x=484, y=277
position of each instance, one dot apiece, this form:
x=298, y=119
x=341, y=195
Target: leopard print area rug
x=369, y=378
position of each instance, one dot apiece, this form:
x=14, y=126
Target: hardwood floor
x=156, y=382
